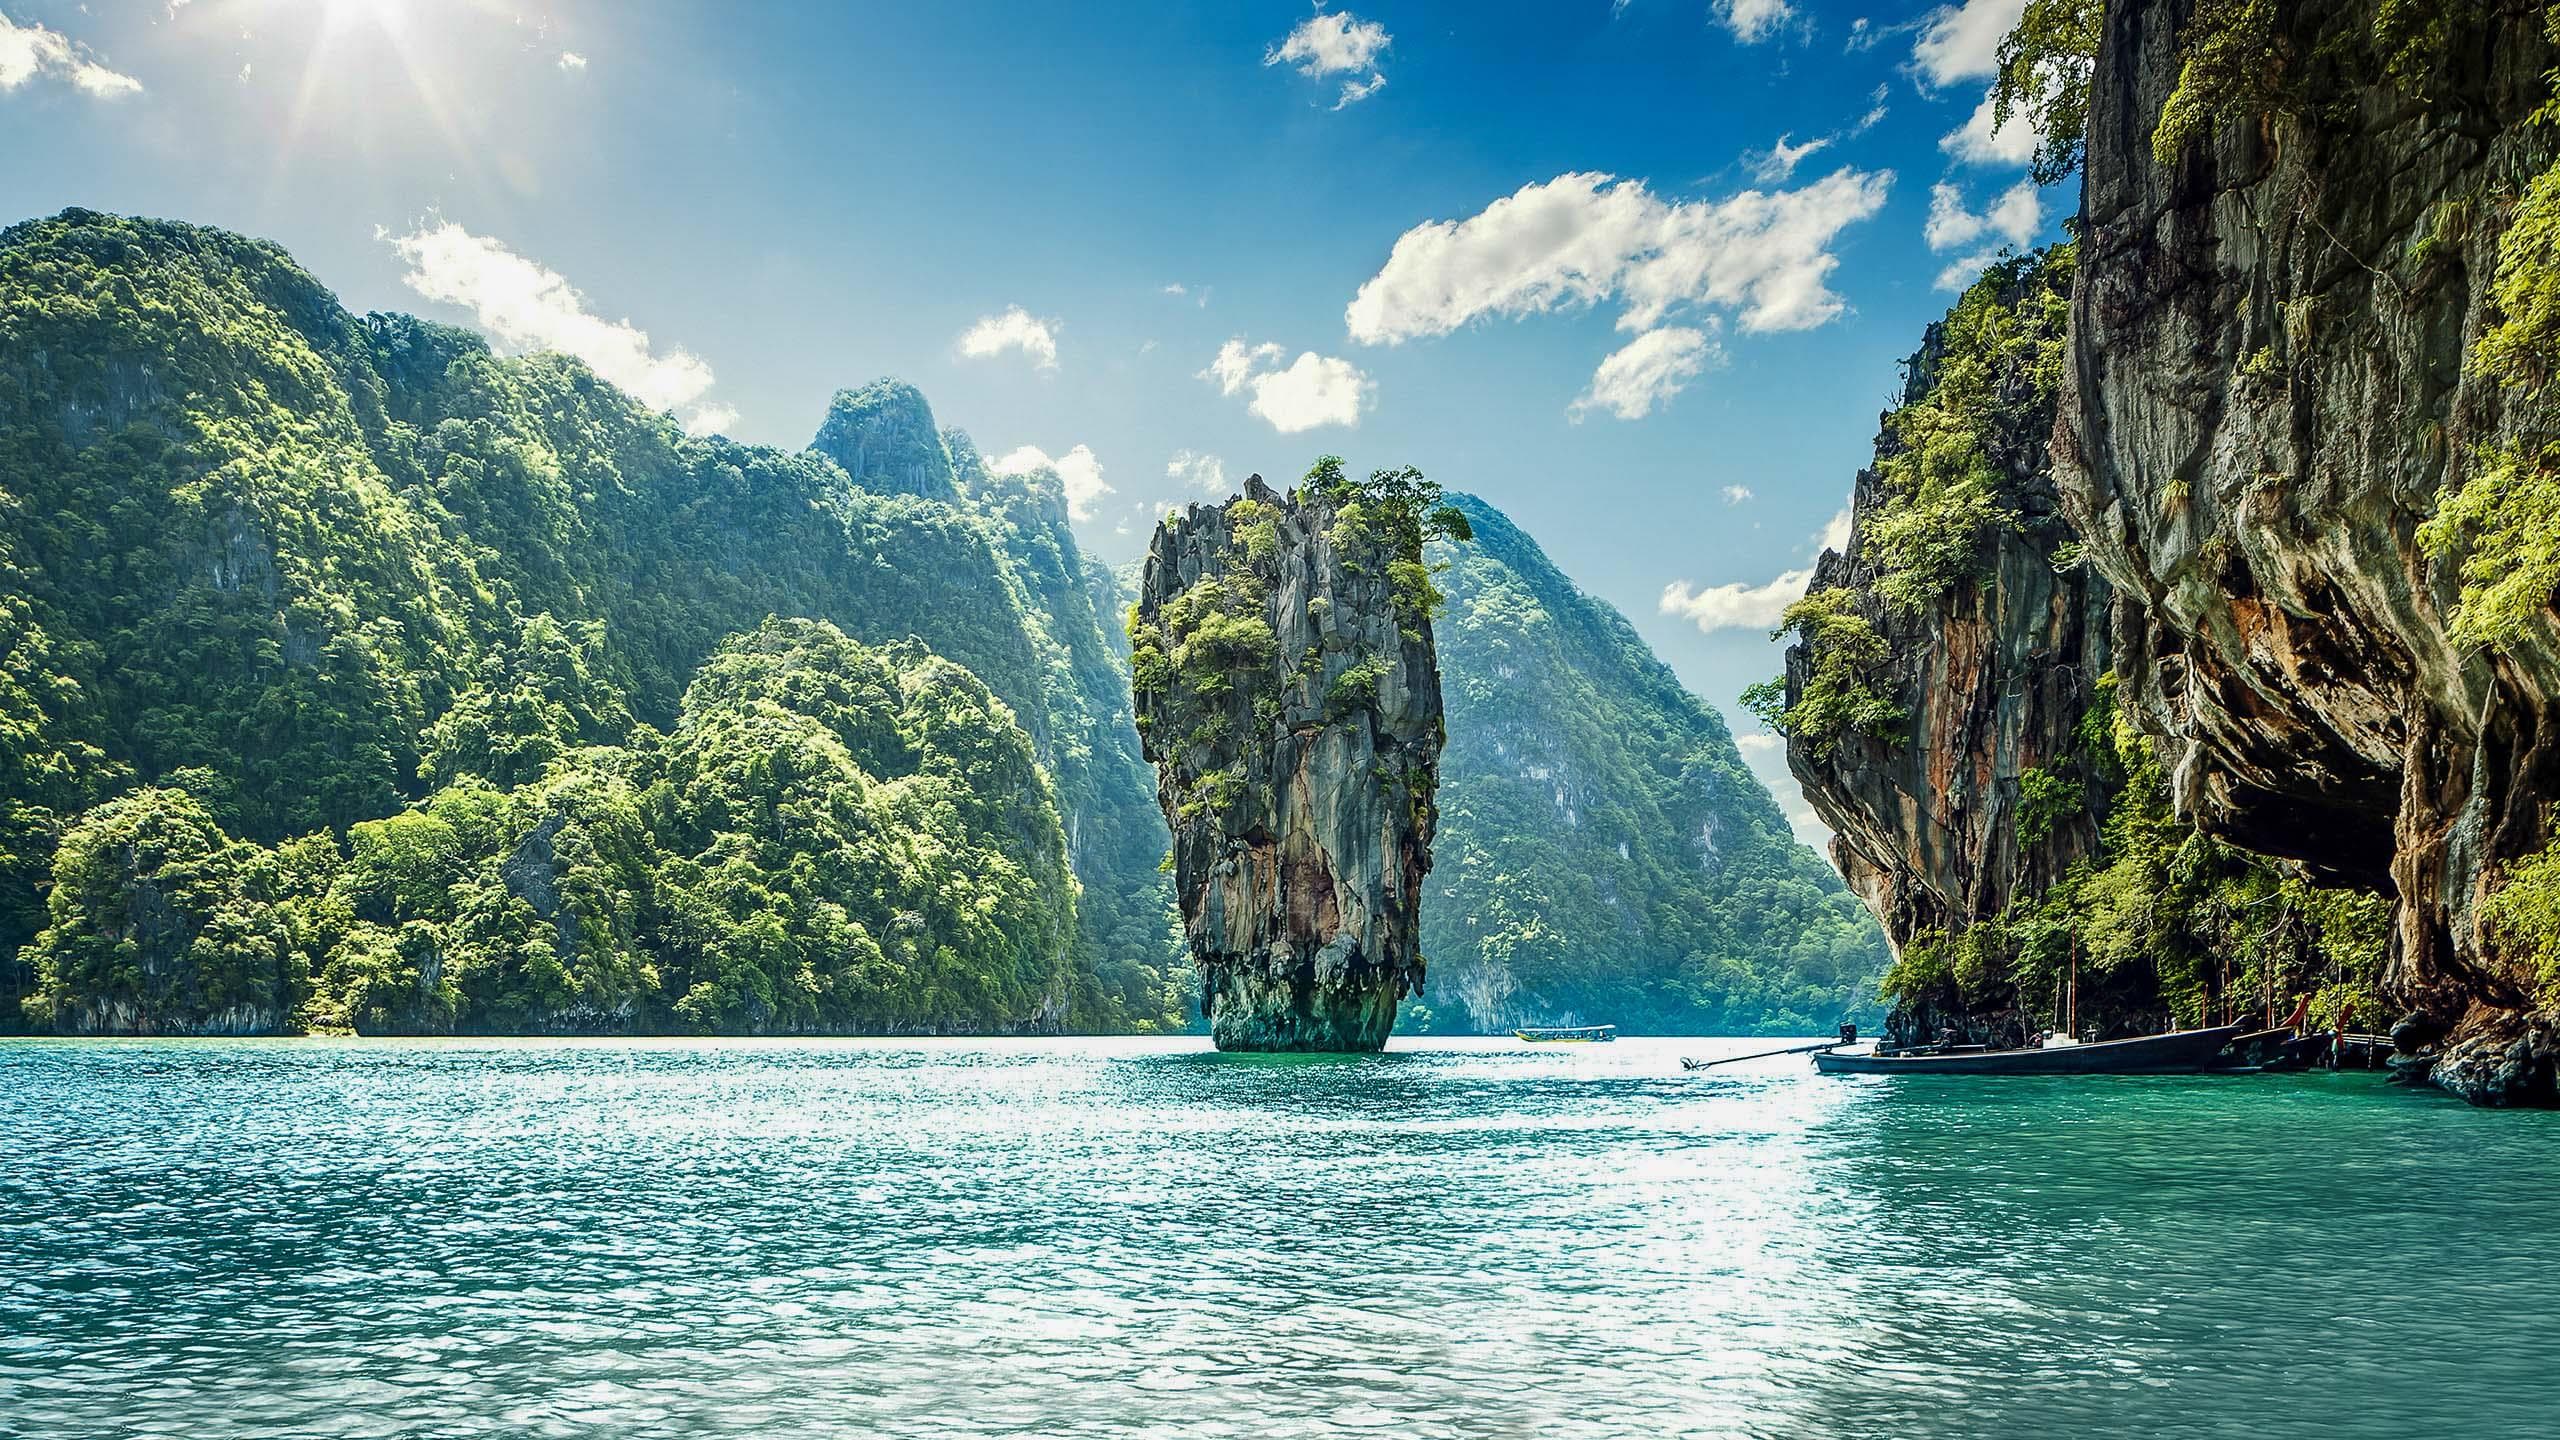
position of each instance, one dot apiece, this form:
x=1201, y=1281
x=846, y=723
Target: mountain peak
x=884, y=436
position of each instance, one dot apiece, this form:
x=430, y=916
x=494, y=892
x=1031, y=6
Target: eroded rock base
x=1256, y=1008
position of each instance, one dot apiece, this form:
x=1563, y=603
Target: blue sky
x=1549, y=252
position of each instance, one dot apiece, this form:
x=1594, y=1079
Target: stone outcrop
x=2267, y=392
x=1288, y=694
x=884, y=436
x=1992, y=680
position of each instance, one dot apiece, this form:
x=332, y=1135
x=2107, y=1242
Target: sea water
x=1143, y=1238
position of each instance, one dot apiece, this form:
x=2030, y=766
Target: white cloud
x=524, y=305
x=1310, y=391
x=1585, y=237
x=1355, y=91
x=1079, y=474
x=1759, y=740
x=1741, y=606
x=32, y=52
x=1336, y=43
x=1982, y=141
x=1962, y=42
x=2015, y=218
x=1177, y=288
x=1198, y=471
x=1781, y=161
x=1015, y=329
x=1736, y=494
x=710, y=419
x=1736, y=606
x=1753, y=21
x=1330, y=44
x=571, y=60
x=1646, y=372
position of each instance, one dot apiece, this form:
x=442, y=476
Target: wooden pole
x=1688, y=1064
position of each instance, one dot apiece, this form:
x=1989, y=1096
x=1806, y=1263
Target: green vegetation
x=2044, y=66
x=1840, y=696
x=1998, y=354
x=1188, y=659
x=1943, y=471
x=2234, y=65
x=1604, y=854
x=2524, y=912
x=2503, y=527
x=833, y=839
x=1399, y=511
x=2239, y=60
x=2164, y=923
x=317, y=571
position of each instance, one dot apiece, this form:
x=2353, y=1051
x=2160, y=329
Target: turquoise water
x=1138, y=1238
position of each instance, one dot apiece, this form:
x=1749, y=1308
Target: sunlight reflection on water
x=1109, y=1237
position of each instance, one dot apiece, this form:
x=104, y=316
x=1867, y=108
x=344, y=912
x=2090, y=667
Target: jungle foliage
x=2164, y=925
x=1605, y=855
x=320, y=573
x=831, y=839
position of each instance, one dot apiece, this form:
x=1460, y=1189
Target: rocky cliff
x=883, y=436
x=2275, y=379
x=1989, y=677
x=1289, y=696
x=1950, y=706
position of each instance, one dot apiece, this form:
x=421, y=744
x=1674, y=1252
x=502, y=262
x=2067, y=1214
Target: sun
x=384, y=14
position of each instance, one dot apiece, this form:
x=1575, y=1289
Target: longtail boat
x=1555, y=1034
x=2180, y=1052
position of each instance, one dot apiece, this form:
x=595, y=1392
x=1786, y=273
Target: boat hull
x=2178, y=1053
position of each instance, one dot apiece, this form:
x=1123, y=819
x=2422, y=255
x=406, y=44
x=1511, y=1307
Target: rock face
x=1991, y=678
x=883, y=435
x=2267, y=392
x=1992, y=681
x=1290, y=699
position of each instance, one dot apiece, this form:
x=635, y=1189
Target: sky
x=1639, y=272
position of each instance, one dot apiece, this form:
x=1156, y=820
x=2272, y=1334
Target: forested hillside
x=300, y=571
x=355, y=676
x=1605, y=855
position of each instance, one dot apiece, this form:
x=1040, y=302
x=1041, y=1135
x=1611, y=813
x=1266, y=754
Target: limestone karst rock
x=2269, y=390
x=1990, y=679
x=1289, y=696
x=884, y=436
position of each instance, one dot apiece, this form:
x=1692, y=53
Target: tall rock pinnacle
x=1289, y=696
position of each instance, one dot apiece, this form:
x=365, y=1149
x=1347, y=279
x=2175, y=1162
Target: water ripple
x=1139, y=1238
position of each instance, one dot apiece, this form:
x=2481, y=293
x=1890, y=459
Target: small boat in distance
x=2179, y=1052
x=1555, y=1034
